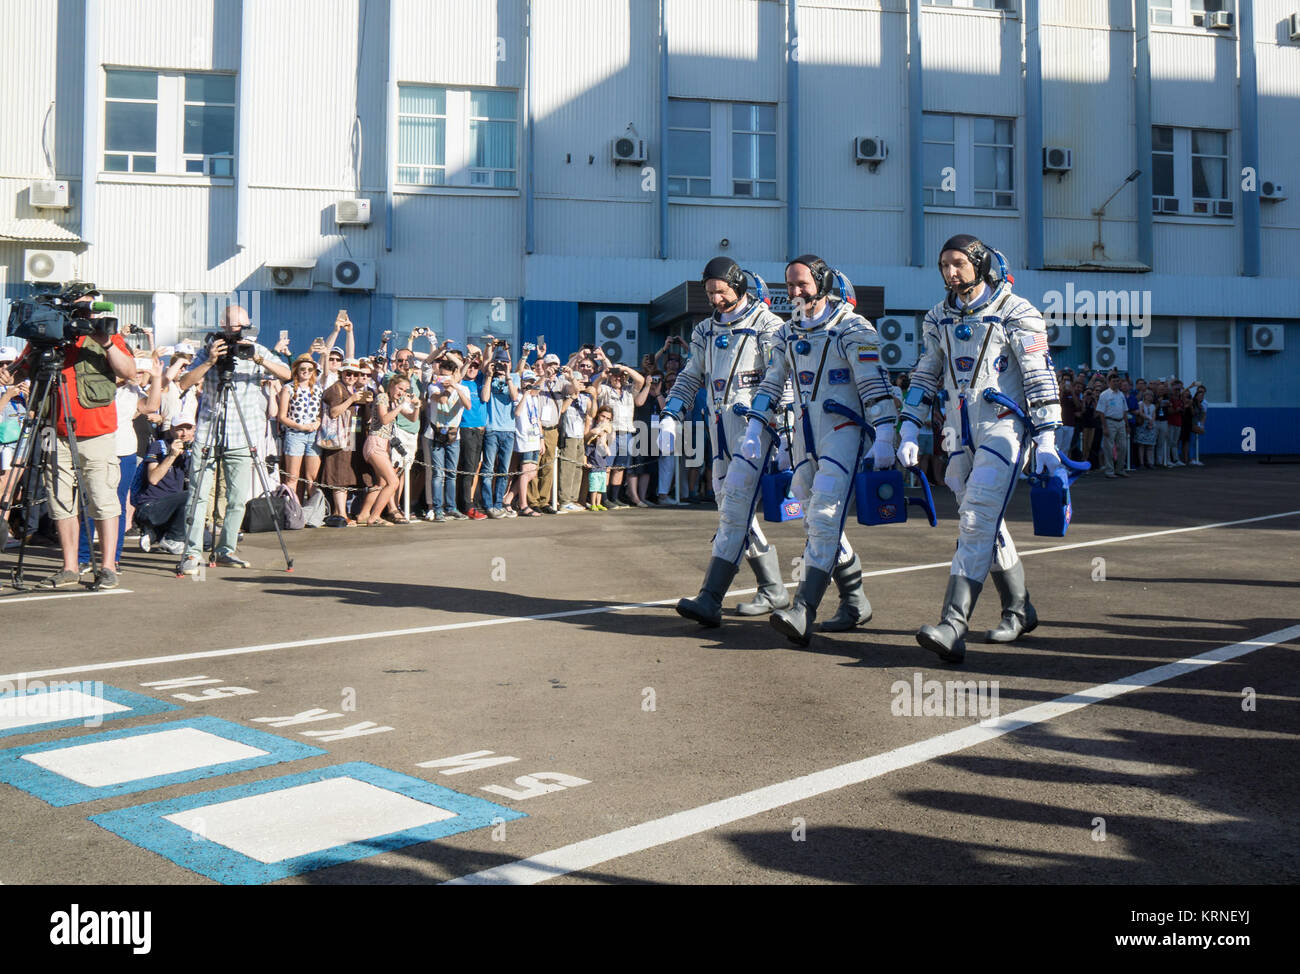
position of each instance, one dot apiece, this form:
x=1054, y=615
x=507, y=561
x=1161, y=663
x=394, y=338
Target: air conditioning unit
x=869, y=148
x=352, y=212
x=1059, y=334
x=1272, y=191
x=353, y=275
x=291, y=275
x=627, y=150
x=616, y=334
x=49, y=194
x=1293, y=26
x=1218, y=20
x=1223, y=208
x=1057, y=158
x=1109, y=348
x=1265, y=338
x=899, y=336
x=1164, y=204
x=47, y=266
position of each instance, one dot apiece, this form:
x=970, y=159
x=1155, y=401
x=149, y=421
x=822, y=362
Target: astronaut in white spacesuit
x=982, y=336
x=828, y=352
x=729, y=354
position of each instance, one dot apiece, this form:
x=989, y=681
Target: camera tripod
x=36, y=447
x=214, y=445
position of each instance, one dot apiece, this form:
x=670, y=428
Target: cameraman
x=498, y=392
x=245, y=361
x=91, y=367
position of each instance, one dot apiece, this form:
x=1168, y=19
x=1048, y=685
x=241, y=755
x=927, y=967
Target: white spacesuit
x=827, y=352
x=729, y=355
x=982, y=336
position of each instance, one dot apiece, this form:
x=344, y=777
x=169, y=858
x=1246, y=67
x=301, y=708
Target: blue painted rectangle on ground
x=269, y=830
x=82, y=769
x=49, y=706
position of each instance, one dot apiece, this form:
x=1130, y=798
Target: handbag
x=315, y=510
x=10, y=430
x=333, y=432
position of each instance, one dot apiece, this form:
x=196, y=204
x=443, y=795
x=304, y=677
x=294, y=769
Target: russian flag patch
x=868, y=353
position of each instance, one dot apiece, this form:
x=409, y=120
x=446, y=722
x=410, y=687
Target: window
x=721, y=149
x=689, y=148
x=210, y=124
x=1187, y=13
x=1189, y=171
x=168, y=122
x=1192, y=350
x=451, y=137
x=497, y=317
x=753, y=151
x=978, y=4
x=131, y=121
x=969, y=161
x=412, y=313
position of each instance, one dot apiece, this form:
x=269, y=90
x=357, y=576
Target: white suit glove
x=908, y=451
x=1048, y=459
x=882, y=450
x=751, y=446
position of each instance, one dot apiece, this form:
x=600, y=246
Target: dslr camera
x=55, y=318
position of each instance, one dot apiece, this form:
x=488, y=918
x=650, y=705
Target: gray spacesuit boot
x=706, y=608
x=854, y=608
x=796, y=622
x=948, y=638
x=771, y=590
x=1018, y=615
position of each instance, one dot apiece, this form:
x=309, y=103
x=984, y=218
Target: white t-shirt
x=129, y=397
x=623, y=404
x=528, y=425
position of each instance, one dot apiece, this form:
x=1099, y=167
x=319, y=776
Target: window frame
x=994, y=6
x=170, y=157
x=964, y=150
x=1184, y=13
x=457, y=167
x=722, y=177
x=1211, y=208
x=1186, y=344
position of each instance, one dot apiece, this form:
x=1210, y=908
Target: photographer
x=447, y=401
x=473, y=430
x=552, y=387
x=616, y=393
x=243, y=361
x=578, y=408
x=160, y=505
x=92, y=364
x=498, y=392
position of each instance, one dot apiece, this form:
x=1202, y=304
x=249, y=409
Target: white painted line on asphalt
x=584, y=855
x=506, y=620
x=10, y=599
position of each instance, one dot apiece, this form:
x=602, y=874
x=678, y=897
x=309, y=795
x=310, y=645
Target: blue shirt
x=475, y=414
x=500, y=407
x=172, y=482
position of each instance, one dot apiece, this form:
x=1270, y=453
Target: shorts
x=375, y=446
x=7, y=456
x=300, y=444
x=621, y=458
x=100, y=474
x=529, y=456
x=596, y=481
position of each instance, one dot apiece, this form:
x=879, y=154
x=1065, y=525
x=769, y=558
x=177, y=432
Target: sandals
x=529, y=512
x=400, y=518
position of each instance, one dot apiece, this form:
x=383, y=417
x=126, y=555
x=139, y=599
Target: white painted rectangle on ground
x=34, y=709
x=105, y=763
x=280, y=825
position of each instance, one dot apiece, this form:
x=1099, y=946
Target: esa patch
x=1000, y=363
x=965, y=363
x=868, y=353
x=838, y=377
x=719, y=385
x=748, y=380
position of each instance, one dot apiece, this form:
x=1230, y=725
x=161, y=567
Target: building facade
x=551, y=167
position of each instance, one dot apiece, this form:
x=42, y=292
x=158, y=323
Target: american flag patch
x=868, y=353
x=1034, y=342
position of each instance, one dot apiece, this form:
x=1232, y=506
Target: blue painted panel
x=138, y=705
x=557, y=320
x=55, y=789
x=1277, y=430
x=145, y=825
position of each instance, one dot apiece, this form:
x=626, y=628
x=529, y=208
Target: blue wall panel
x=557, y=320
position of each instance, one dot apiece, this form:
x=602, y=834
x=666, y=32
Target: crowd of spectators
x=451, y=431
